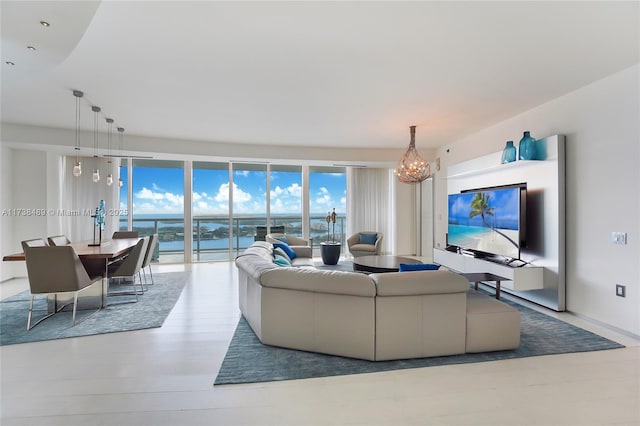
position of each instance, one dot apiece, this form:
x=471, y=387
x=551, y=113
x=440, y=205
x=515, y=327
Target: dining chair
x=36, y=242
x=130, y=267
x=58, y=240
x=53, y=270
x=125, y=234
x=149, y=256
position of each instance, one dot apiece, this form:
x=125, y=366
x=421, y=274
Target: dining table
x=96, y=260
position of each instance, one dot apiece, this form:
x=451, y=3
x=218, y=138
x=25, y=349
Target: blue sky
x=160, y=191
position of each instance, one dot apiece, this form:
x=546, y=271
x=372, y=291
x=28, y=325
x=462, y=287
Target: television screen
x=488, y=220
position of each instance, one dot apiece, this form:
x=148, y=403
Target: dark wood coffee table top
x=380, y=263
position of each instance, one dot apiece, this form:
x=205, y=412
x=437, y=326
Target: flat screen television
x=489, y=221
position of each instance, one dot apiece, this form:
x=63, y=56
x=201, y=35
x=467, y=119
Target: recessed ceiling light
x=31, y=48
x=44, y=23
x=9, y=63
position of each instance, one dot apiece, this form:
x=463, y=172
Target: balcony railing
x=211, y=234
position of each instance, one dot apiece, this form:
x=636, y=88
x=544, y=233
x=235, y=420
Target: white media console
x=542, y=279
x=520, y=278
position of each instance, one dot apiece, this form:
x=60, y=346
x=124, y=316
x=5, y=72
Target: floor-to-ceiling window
x=285, y=206
x=123, y=182
x=158, y=205
x=327, y=191
x=249, y=208
x=229, y=200
x=210, y=211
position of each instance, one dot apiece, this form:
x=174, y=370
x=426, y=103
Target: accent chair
x=367, y=243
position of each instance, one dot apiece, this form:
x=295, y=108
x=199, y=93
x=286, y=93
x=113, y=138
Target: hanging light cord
x=77, y=147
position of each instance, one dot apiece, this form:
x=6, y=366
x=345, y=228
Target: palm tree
x=480, y=206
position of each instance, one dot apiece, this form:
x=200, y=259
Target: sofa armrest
x=419, y=282
x=302, y=251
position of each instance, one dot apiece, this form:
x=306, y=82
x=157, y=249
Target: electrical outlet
x=621, y=290
x=619, y=237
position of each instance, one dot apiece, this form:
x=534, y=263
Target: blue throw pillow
x=368, y=239
x=287, y=249
x=281, y=261
x=283, y=239
x=404, y=267
x=277, y=250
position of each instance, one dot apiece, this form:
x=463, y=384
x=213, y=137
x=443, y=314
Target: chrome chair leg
x=75, y=306
x=55, y=311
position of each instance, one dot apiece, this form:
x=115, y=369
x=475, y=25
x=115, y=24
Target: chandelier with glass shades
x=412, y=168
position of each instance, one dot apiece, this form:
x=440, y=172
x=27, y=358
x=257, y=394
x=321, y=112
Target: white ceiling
x=347, y=74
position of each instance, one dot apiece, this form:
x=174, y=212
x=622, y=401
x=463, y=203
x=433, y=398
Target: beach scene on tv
x=486, y=221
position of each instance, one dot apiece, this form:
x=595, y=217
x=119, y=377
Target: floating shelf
x=505, y=166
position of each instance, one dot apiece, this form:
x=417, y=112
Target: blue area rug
x=249, y=361
x=150, y=311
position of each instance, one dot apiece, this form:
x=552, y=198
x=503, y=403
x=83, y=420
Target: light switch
x=619, y=237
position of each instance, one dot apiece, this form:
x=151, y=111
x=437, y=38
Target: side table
x=330, y=251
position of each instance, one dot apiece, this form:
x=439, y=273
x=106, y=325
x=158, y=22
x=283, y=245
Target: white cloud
x=147, y=194
x=158, y=202
x=295, y=190
x=239, y=196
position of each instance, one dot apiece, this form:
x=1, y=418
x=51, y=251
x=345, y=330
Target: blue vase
x=509, y=153
x=527, y=147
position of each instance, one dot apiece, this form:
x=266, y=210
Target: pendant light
x=412, y=168
x=110, y=175
x=77, y=166
x=96, y=172
x=120, y=137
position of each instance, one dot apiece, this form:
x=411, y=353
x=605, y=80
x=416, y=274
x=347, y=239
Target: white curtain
x=371, y=204
x=80, y=197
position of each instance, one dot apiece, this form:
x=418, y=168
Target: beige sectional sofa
x=374, y=317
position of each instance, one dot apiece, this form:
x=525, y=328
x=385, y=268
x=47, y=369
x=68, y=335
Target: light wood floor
x=165, y=376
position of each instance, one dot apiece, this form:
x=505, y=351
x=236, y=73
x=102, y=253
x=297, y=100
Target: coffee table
x=383, y=263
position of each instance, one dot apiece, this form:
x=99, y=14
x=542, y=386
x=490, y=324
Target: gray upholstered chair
x=59, y=240
x=125, y=234
x=146, y=263
x=358, y=246
x=36, y=242
x=52, y=270
x=292, y=239
x=130, y=267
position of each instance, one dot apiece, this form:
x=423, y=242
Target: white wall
x=6, y=222
x=601, y=123
x=406, y=219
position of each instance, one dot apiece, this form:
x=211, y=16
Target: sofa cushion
x=491, y=324
x=368, y=239
x=317, y=281
x=363, y=247
x=303, y=262
x=288, y=250
x=404, y=267
x=281, y=261
x=419, y=282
